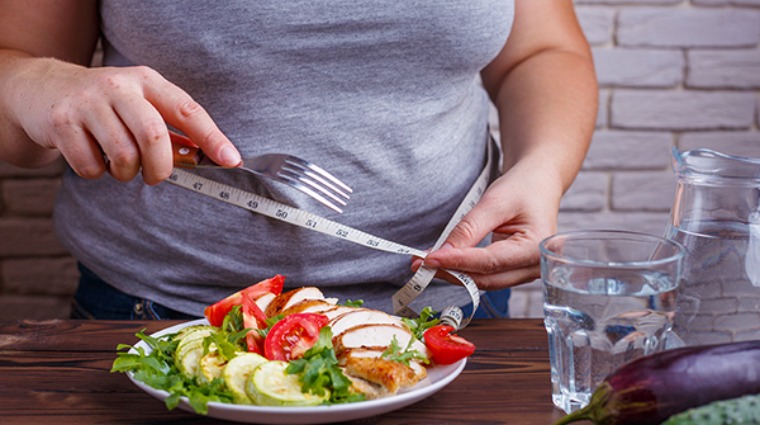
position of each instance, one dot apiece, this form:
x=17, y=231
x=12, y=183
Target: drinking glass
x=609, y=298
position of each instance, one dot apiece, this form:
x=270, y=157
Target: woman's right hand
x=109, y=119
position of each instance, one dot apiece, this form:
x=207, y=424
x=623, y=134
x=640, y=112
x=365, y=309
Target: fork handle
x=185, y=155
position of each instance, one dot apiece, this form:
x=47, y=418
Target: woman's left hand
x=519, y=209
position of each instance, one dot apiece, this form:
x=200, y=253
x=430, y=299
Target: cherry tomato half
x=445, y=347
x=215, y=313
x=293, y=335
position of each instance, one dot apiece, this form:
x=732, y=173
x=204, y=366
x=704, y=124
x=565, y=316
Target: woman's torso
x=385, y=95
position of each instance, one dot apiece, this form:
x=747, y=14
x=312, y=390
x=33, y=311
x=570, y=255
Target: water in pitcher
x=615, y=318
x=716, y=216
x=719, y=297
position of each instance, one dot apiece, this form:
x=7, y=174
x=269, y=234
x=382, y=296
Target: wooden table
x=57, y=372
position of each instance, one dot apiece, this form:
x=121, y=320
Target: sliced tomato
x=445, y=347
x=293, y=335
x=254, y=319
x=274, y=285
x=215, y=313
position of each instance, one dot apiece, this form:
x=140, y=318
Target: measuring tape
x=412, y=289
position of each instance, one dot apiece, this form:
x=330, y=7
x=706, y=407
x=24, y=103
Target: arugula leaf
x=353, y=303
x=426, y=321
x=157, y=369
x=319, y=372
x=396, y=354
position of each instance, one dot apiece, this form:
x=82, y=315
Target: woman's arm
x=65, y=29
x=52, y=104
x=544, y=86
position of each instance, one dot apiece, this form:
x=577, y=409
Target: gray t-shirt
x=385, y=95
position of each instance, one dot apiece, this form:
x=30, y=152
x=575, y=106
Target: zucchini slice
x=236, y=373
x=270, y=385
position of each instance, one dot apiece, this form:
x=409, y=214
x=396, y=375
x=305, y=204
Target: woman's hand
x=519, y=209
x=109, y=119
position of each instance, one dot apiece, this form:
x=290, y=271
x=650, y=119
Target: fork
x=291, y=170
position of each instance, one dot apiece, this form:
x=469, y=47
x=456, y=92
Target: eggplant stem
x=594, y=411
x=578, y=415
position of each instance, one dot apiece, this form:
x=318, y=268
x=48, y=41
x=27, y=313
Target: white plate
x=438, y=377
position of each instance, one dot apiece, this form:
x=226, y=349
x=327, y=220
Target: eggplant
x=649, y=390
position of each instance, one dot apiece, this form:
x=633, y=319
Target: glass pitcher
x=716, y=216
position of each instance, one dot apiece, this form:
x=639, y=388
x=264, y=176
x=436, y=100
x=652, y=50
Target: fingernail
x=230, y=156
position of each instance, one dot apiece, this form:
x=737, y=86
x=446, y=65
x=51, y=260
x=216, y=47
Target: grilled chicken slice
x=377, y=336
x=362, y=316
x=419, y=369
x=370, y=390
x=264, y=300
x=309, y=306
x=370, y=366
x=287, y=299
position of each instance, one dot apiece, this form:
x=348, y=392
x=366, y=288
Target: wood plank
x=58, y=371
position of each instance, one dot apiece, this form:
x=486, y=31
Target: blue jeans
x=493, y=305
x=96, y=299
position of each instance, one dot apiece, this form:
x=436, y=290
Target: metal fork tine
x=319, y=170
x=300, y=171
x=314, y=184
x=288, y=169
x=296, y=183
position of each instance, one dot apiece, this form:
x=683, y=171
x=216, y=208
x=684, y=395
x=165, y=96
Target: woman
x=392, y=97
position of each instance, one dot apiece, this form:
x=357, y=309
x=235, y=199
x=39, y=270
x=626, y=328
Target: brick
x=738, y=322
x=34, y=197
x=706, y=338
x=749, y=304
x=623, y=150
x=518, y=303
x=722, y=305
x=28, y=237
x=747, y=335
x=638, y=67
x=52, y=170
x=649, y=222
x=688, y=27
x=682, y=110
x=47, y=276
x=726, y=2
x=741, y=143
x=724, y=68
x=527, y=300
x=16, y=307
x=602, y=116
x=597, y=24
x=652, y=191
x=587, y=193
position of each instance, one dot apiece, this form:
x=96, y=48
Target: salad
x=263, y=346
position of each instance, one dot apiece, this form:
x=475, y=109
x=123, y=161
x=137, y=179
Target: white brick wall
x=671, y=72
